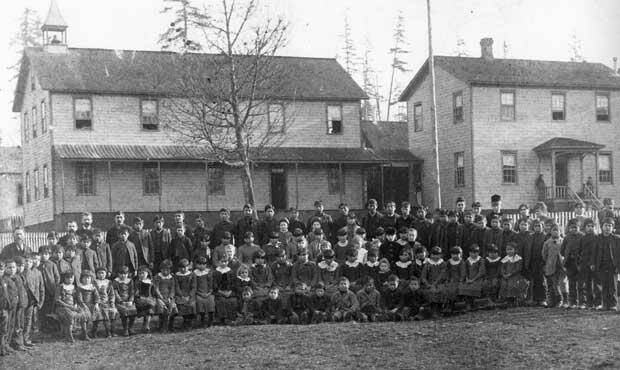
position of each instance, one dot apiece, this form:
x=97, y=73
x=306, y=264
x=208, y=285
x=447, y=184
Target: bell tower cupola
x=54, y=30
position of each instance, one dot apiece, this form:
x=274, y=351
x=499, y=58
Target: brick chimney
x=486, y=48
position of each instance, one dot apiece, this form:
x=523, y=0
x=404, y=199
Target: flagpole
x=431, y=66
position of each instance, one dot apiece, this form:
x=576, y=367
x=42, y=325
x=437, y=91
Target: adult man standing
x=496, y=208
x=113, y=233
x=86, y=227
x=18, y=247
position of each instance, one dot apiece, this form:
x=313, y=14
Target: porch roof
x=92, y=152
x=562, y=144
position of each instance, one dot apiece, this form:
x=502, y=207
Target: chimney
x=616, y=70
x=486, y=48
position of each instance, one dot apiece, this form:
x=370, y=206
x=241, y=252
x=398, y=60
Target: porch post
x=581, y=155
x=161, y=183
x=297, y=185
x=62, y=184
x=340, y=180
x=596, y=173
x=110, y=185
x=553, y=195
x=206, y=186
x=382, y=187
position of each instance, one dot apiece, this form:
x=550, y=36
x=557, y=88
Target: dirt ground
x=515, y=338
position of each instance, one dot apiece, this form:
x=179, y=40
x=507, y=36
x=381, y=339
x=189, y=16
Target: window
x=507, y=102
x=459, y=169
x=605, y=174
x=216, y=180
x=276, y=118
x=509, y=167
x=85, y=179
x=148, y=114
x=417, y=117
x=20, y=194
x=43, y=117
x=602, y=107
x=458, y=107
x=46, y=182
x=26, y=127
x=334, y=119
x=34, y=122
x=35, y=176
x=83, y=113
x=151, y=179
x=27, y=187
x=334, y=183
x=558, y=107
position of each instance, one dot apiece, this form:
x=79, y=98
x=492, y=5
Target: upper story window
x=605, y=172
x=558, y=107
x=276, y=118
x=507, y=105
x=151, y=179
x=459, y=169
x=46, y=182
x=334, y=119
x=458, y=106
x=26, y=127
x=43, y=117
x=417, y=117
x=509, y=167
x=27, y=187
x=216, y=180
x=20, y=194
x=85, y=178
x=83, y=113
x=35, y=175
x=35, y=122
x=602, y=107
x=335, y=184
x=149, y=114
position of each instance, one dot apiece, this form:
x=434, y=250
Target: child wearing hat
x=245, y=252
x=329, y=272
x=185, y=292
x=261, y=275
x=146, y=297
x=271, y=249
x=124, y=295
x=433, y=279
x=165, y=286
x=246, y=223
x=88, y=299
x=496, y=208
x=205, y=300
x=107, y=308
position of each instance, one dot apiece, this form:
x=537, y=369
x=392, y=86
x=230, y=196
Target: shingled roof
x=567, y=144
x=521, y=72
x=158, y=73
x=389, y=139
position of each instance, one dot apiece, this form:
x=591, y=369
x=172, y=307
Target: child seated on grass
x=320, y=305
x=344, y=303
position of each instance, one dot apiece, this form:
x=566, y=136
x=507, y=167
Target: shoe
x=599, y=307
x=19, y=347
x=126, y=332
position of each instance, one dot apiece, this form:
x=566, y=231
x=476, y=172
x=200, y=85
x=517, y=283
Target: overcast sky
x=533, y=29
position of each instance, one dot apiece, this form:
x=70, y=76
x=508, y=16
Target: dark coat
x=11, y=251
x=144, y=246
x=124, y=254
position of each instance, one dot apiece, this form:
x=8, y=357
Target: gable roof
x=388, y=139
x=158, y=73
x=10, y=159
x=54, y=19
x=567, y=144
x=521, y=72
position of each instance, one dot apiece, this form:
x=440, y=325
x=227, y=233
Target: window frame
x=335, y=185
x=44, y=117
x=454, y=107
x=516, y=166
x=563, y=95
x=147, y=168
x=26, y=126
x=35, y=183
x=607, y=95
x=20, y=194
x=270, y=124
x=46, y=192
x=502, y=105
x=28, y=199
x=92, y=119
x=142, y=116
x=611, y=169
x=418, y=125
x=459, y=172
x=35, y=122
x=217, y=186
x=93, y=171
x=327, y=120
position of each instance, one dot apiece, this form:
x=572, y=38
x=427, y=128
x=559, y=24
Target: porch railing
x=562, y=192
x=589, y=194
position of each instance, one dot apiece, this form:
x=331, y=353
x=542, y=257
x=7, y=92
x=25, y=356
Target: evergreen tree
x=397, y=51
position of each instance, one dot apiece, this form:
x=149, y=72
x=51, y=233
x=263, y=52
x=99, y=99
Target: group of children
x=410, y=266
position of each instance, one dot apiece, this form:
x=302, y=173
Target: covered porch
x=570, y=181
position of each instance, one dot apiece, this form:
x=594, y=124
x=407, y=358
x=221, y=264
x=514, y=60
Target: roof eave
x=554, y=86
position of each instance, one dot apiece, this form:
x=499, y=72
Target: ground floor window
x=605, y=173
x=335, y=184
x=216, y=180
x=85, y=178
x=509, y=167
x=151, y=179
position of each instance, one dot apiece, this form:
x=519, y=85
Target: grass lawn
x=514, y=338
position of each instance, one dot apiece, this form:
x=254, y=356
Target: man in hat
x=324, y=219
x=71, y=231
x=372, y=220
x=496, y=208
x=87, y=225
x=245, y=224
x=17, y=248
x=606, y=264
x=460, y=209
x=113, y=233
x=160, y=239
x=607, y=211
x=294, y=221
x=141, y=239
x=476, y=208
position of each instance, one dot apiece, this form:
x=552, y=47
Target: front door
x=278, y=188
x=561, y=172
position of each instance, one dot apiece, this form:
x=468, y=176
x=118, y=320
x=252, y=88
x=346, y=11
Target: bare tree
x=349, y=54
x=397, y=51
x=225, y=96
x=28, y=35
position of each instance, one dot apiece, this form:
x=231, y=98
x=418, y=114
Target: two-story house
x=504, y=122
x=11, y=188
x=92, y=139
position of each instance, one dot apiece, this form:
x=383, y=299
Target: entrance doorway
x=279, y=195
x=561, y=171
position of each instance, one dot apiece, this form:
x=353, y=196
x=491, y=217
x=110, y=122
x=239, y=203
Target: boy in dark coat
x=161, y=239
x=268, y=225
x=591, y=294
x=607, y=264
x=245, y=224
x=9, y=299
x=298, y=305
x=103, y=251
x=224, y=225
x=272, y=309
x=281, y=271
x=51, y=279
x=124, y=253
x=141, y=239
x=35, y=290
x=320, y=305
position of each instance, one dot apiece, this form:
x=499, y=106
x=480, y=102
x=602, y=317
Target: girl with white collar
x=513, y=285
x=471, y=288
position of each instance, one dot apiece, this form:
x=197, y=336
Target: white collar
x=402, y=241
x=454, y=263
x=87, y=287
x=438, y=262
x=472, y=261
x=201, y=273
x=69, y=287
x=352, y=264
x=372, y=264
x=492, y=260
x=331, y=267
x=342, y=244
x=102, y=283
x=420, y=263
x=243, y=279
x=119, y=280
x=402, y=264
x=513, y=259
x=164, y=277
x=223, y=270
x=179, y=273
x=146, y=281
